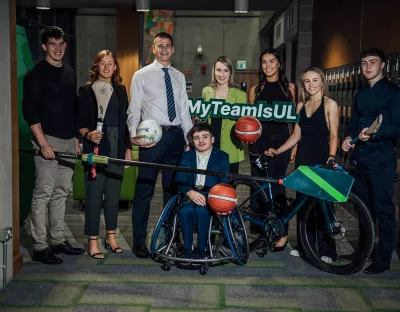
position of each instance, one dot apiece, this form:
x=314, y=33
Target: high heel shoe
x=281, y=248
x=108, y=246
x=97, y=254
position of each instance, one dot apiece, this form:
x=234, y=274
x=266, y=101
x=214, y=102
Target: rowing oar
x=321, y=183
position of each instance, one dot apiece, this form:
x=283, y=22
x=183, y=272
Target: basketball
x=150, y=130
x=248, y=129
x=222, y=198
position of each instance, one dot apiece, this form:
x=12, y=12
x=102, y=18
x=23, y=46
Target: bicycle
x=352, y=242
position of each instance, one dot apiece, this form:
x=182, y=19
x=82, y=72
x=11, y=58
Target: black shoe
x=201, y=254
x=377, y=268
x=46, y=256
x=187, y=254
x=66, y=248
x=281, y=248
x=141, y=251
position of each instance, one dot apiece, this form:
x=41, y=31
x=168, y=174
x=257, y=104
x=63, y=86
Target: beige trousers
x=53, y=181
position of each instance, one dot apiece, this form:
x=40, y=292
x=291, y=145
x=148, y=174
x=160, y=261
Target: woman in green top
x=223, y=86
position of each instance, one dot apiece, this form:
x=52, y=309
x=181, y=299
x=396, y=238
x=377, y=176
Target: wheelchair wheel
x=164, y=230
x=237, y=237
x=345, y=249
x=253, y=209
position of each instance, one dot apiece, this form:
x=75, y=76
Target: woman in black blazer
x=103, y=184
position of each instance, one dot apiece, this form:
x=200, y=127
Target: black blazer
x=87, y=118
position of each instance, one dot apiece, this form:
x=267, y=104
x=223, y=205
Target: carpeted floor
x=122, y=283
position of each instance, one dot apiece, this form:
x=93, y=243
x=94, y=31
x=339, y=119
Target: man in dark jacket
x=374, y=156
x=48, y=106
x=196, y=186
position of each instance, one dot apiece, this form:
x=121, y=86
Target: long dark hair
x=116, y=78
x=282, y=79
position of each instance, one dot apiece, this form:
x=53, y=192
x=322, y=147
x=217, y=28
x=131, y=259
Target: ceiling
x=212, y=5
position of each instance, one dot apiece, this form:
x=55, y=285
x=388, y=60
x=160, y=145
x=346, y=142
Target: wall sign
x=278, y=111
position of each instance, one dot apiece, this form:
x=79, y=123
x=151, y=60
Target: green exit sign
x=240, y=64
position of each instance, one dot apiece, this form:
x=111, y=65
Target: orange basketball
x=222, y=198
x=248, y=129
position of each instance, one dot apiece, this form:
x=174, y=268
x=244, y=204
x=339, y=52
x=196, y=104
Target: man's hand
x=47, y=151
x=78, y=147
x=136, y=140
x=95, y=136
x=197, y=198
x=364, y=137
x=128, y=156
x=346, y=146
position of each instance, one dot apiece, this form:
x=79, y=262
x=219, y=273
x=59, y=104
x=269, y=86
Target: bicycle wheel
x=237, y=237
x=252, y=209
x=345, y=249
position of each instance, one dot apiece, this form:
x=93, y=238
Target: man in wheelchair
x=195, y=187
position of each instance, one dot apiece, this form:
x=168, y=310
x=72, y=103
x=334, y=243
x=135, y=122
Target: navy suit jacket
x=219, y=161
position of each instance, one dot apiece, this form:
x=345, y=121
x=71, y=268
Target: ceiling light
x=143, y=5
x=43, y=4
x=241, y=6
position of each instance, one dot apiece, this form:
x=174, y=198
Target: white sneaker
x=327, y=259
x=294, y=253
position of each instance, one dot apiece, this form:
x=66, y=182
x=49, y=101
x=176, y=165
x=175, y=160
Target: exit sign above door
x=240, y=64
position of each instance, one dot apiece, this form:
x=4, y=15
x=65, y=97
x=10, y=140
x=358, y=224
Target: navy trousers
x=167, y=151
x=374, y=185
x=191, y=214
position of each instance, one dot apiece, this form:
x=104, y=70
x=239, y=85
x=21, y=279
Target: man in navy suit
x=195, y=187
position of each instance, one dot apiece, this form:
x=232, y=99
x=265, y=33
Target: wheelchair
x=227, y=240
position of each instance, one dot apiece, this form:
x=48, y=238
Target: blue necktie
x=170, y=95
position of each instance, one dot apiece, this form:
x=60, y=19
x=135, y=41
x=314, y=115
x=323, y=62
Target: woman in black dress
x=316, y=132
x=273, y=86
x=113, y=141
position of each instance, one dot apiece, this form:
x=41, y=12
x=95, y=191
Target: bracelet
x=332, y=156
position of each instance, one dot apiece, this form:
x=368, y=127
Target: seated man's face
x=203, y=141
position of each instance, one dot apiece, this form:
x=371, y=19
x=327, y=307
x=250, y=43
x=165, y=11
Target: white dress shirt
x=149, y=98
x=202, y=162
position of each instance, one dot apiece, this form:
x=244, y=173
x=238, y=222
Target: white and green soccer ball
x=150, y=130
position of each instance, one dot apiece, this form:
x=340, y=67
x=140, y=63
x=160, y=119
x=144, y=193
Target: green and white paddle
x=321, y=183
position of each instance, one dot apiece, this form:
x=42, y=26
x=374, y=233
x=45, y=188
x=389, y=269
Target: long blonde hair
x=303, y=95
x=228, y=63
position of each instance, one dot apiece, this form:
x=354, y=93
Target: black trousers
x=277, y=167
x=374, y=185
x=167, y=151
x=108, y=184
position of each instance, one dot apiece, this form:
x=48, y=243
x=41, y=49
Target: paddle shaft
x=108, y=160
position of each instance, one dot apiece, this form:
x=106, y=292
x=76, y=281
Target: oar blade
x=330, y=185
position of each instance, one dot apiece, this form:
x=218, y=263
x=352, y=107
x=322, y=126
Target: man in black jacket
x=48, y=106
x=374, y=156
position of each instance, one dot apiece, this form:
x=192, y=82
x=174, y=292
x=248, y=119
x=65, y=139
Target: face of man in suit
x=203, y=141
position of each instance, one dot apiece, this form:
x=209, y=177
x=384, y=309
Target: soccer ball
x=150, y=130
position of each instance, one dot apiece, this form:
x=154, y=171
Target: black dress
x=314, y=143
x=273, y=135
x=314, y=150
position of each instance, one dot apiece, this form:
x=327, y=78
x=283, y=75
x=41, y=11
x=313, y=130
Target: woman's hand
x=128, y=156
x=293, y=154
x=95, y=136
x=197, y=198
x=271, y=152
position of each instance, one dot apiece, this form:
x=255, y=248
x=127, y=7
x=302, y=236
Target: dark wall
x=343, y=28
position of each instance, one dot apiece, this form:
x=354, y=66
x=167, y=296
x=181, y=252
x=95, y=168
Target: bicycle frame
x=327, y=210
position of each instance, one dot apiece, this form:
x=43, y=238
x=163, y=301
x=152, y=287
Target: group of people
x=158, y=91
